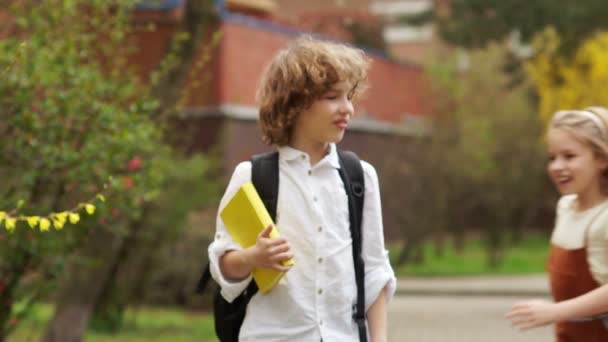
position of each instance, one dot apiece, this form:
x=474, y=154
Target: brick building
x=221, y=111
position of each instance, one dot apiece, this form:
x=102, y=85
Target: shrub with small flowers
x=72, y=117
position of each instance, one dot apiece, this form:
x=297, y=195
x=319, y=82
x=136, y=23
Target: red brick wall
x=237, y=62
x=151, y=35
x=245, y=51
x=293, y=9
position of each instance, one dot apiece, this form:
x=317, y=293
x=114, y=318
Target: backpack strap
x=351, y=173
x=265, y=178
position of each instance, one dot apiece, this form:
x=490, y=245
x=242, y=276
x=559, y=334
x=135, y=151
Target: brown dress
x=570, y=277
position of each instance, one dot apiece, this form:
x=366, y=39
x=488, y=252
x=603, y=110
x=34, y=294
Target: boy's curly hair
x=300, y=75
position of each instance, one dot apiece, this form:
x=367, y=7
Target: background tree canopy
x=474, y=23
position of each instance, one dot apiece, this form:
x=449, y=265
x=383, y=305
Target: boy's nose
x=347, y=108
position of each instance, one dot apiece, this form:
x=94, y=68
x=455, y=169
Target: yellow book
x=245, y=216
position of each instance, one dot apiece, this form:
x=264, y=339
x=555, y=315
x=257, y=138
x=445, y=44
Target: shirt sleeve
x=378, y=271
x=223, y=242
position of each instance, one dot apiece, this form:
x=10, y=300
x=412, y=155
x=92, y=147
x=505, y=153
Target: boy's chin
x=336, y=138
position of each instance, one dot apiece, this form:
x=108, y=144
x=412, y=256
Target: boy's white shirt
x=315, y=299
x=570, y=228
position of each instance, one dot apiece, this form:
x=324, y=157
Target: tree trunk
x=7, y=293
x=117, y=291
x=85, y=279
x=198, y=16
x=439, y=243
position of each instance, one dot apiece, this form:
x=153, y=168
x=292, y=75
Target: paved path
x=456, y=319
x=463, y=309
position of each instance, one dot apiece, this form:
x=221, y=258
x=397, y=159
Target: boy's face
x=327, y=118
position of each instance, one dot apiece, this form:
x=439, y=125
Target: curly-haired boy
x=306, y=102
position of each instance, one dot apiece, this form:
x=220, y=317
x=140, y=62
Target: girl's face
x=573, y=167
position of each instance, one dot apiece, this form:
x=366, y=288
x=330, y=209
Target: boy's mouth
x=341, y=123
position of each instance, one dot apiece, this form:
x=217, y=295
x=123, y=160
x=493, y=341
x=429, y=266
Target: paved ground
x=463, y=309
x=456, y=319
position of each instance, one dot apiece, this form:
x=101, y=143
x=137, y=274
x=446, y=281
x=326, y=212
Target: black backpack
x=265, y=178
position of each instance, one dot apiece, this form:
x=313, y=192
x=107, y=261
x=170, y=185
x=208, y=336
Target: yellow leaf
x=2, y=215
x=9, y=223
x=33, y=221
x=57, y=224
x=101, y=197
x=44, y=224
x=74, y=218
x=89, y=208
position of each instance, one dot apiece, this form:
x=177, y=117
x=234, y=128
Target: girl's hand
x=270, y=252
x=532, y=314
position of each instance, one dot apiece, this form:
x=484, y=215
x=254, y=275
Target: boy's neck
x=315, y=151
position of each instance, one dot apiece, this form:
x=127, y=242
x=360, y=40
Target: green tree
x=475, y=23
x=73, y=117
x=69, y=123
x=102, y=292
x=481, y=167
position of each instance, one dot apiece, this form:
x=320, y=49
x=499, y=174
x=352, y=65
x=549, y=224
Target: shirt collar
x=289, y=153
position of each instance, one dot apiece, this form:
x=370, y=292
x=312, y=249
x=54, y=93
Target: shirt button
x=309, y=172
x=320, y=229
x=303, y=157
x=314, y=198
x=320, y=260
x=321, y=322
x=218, y=236
x=320, y=291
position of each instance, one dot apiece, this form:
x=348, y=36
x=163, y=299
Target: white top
x=569, y=233
x=315, y=299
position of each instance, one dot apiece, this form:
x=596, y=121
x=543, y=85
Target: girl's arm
x=536, y=313
x=377, y=317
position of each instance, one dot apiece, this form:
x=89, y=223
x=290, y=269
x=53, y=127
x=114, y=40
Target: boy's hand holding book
x=271, y=252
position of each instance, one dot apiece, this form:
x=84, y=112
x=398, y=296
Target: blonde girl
x=577, y=142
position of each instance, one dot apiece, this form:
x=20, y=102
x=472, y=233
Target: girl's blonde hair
x=300, y=75
x=590, y=126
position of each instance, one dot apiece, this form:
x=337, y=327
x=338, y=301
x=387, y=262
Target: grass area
x=149, y=324
x=529, y=256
